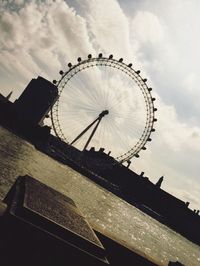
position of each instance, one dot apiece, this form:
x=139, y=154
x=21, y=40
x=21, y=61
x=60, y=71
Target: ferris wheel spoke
x=82, y=94
x=82, y=91
x=135, y=120
x=81, y=102
x=103, y=135
x=116, y=100
x=107, y=92
x=100, y=90
x=105, y=77
x=118, y=138
x=105, y=85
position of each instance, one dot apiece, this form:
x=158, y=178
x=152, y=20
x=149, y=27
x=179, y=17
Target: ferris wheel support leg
x=92, y=134
x=84, y=131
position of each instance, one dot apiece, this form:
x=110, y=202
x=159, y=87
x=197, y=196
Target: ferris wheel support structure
x=101, y=115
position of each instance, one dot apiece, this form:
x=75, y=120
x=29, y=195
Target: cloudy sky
x=159, y=37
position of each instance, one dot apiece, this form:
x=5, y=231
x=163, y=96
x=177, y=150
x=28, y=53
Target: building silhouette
x=36, y=101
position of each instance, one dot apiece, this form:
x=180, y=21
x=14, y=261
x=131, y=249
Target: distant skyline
x=161, y=38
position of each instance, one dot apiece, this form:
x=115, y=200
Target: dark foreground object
x=43, y=227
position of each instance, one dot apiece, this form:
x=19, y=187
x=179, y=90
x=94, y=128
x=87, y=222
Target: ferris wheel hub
x=103, y=113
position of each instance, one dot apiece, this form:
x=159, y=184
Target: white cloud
x=39, y=39
x=19, y=2
x=108, y=27
x=146, y=27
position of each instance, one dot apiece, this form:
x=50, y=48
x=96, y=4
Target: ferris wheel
x=104, y=103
